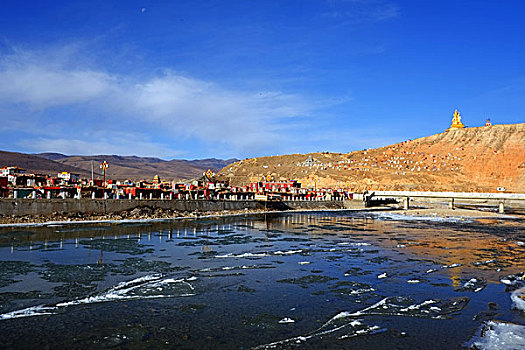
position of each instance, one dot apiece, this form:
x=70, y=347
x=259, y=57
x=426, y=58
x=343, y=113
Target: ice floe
x=400, y=217
x=383, y=275
x=486, y=262
x=495, y=335
x=363, y=331
x=289, y=252
x=402, y=306
x=146, y=287
x=355, y=244
x=336, y=327
x=451, y=266
x=261, y=254
x=287, y=320
x=243, y=255
x=361, y=291
x=518, y=299
x=473, y=285
x=347, y=324
x=39, y=310
x=514, y=281
x=231, y=268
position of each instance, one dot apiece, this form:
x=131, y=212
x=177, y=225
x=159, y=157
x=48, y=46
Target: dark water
x=314, y=281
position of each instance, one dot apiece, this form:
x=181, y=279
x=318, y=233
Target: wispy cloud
x=39, y=80
x=358, y=11
x=49, y=89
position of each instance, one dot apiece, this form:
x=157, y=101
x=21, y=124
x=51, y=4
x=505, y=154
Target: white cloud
x=37, y=86
x=128, y=145
x=41, y=87
x=30, y=79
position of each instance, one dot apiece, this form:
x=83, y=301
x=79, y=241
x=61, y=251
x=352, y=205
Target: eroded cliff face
x=472, y=159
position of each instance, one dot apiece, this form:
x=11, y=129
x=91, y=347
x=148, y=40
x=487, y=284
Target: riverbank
x=21, y=209
x=136, y=215
x=146, y=214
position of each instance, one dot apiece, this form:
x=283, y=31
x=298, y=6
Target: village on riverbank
x=16, y=183
x=262, y=184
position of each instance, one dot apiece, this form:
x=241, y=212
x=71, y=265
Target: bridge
x=501, y=198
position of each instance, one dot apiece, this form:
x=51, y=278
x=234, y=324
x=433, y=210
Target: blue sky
x=195, y=79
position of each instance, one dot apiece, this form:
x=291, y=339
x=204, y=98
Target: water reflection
x=317, y=280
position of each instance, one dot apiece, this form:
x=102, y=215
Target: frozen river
x=335, y=280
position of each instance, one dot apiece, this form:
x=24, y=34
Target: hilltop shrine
x=456, y=121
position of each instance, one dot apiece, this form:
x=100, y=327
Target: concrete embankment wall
x=21, y=207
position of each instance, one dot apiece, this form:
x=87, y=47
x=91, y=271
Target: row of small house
x=16, y=183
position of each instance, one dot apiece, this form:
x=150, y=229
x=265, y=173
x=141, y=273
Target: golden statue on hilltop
x=456, y=121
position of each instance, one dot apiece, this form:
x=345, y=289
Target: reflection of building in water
x=432, y=244
x=460, y=255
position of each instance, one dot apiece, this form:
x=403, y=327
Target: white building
x=11, y=170
x=69, y=177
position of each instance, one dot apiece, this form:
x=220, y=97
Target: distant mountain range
x=120, y=167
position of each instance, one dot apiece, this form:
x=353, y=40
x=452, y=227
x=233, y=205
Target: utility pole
x=104, y=166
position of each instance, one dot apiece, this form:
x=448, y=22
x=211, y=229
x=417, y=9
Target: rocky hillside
x=471, y=159
x=35, y=164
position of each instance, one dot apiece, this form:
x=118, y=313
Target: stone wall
x=21, y=207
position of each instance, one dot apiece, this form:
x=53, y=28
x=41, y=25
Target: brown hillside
x=36, y=164
x=120, y=167
x=477, y=159
x=137, y=168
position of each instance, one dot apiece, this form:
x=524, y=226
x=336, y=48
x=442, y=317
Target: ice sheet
x=400, y=217
x=495, y=335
